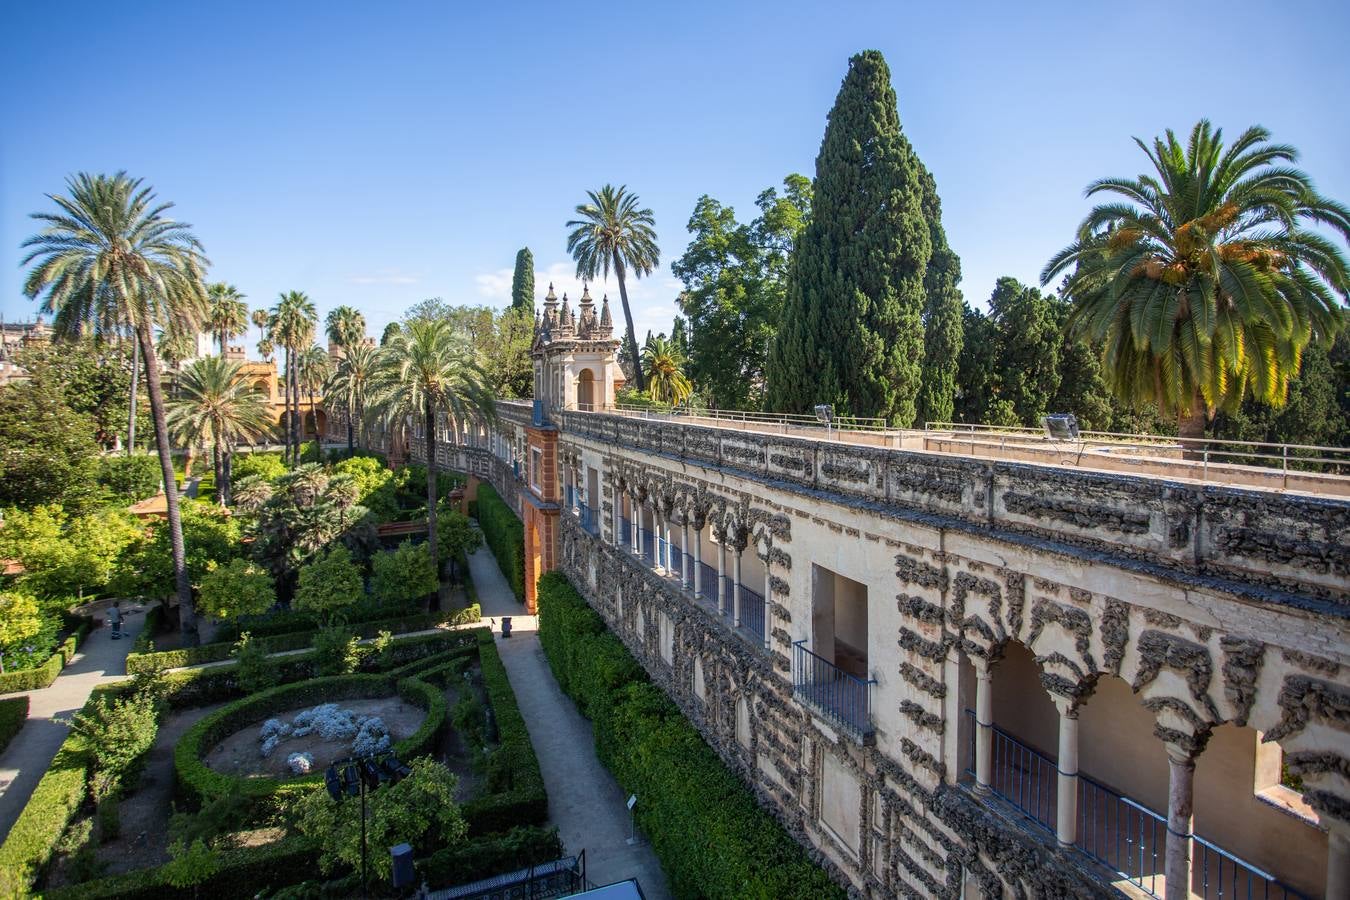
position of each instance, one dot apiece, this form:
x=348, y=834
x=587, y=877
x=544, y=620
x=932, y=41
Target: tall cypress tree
x=943, y=329
x=852, y=328
x=522, y=282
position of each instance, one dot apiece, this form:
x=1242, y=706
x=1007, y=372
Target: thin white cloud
x=384, y=276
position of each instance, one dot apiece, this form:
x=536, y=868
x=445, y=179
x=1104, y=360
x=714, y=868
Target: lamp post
x=356, y=776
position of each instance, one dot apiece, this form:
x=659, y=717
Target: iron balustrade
x=1122, y=834
x=841, y=697
x=648, y=546
x=626, y=532
x=707, y=586
x=588, y=518
x=752, y=613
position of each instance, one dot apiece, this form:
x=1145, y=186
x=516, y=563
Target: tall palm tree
x=664, y=366
x=426, y=369
x=219, y=405
x=346, y=389
x=110, y=259
x=612, y=233
x=1202, y=285
x=229, y=316
x=291, y=325
x=266, y=346
x=346, y=327
x=314, y=368
x=175, y=347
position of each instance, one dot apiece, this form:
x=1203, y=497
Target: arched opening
x=586, y=390
x=264, y=387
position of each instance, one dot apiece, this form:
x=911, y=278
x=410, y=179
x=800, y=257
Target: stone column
x=722, y=576
x=1338, y=859
x=1066, y=813
x=736, y=589
x=698, y=562
x=670, y=551
x=658, y=539
x=1180, y=783
x=684, y=556
x=984, y=726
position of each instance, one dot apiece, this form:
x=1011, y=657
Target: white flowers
x=300, y=763
x=368, y=734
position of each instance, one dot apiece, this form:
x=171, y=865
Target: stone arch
x=744, y=733
x=586, y=393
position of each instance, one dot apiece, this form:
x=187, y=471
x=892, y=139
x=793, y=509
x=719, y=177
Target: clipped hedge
x=200, y=783
x=155, y=622
x=491, y=855
x=13, y=715
x=288, y=621
x=243, y=872
x=42, y=676
x=690, y=799
x=43, y=820
x=524, y=802
x=218, y=651
x=504, y=534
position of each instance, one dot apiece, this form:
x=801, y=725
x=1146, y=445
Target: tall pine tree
x=522, y=282
x=852, y=327
x=943, y=313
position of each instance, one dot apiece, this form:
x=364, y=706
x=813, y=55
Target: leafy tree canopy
x=236, y=588
x=211, y=536
x=402, y=574
x=47, y=449
x=329, y=585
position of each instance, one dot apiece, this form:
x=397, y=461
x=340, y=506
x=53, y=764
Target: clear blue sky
x=379, y=153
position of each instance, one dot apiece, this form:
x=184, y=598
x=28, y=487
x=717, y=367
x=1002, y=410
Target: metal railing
x=1202, y=451
x=648, y=541
x=588, y=519
x=708, y=584
x=752, y=613
x=842, y=698
x=1122, y=834
x=764, y=421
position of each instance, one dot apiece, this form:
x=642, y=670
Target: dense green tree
x=852, y=326
x=1201, y=284
x=456, y=536
x=94, y=378
x=522, y=282
x=47, y=450
x=228, y=316
x=427, y=371
x=346, y=388
x=612, y=232
x=942, y=316
x=735, y=281
x=236, y=588
x=1026, y=361
x=110, y=259
x=328, y=585
x=145, y=567
x=976, y=379
x=402, y=575
x=20, y=619
x=128, y=479
x=219, y=405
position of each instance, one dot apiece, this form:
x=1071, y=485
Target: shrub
x=329, y=585
x=129, y=478
x=118, y=734
x=505, y=536
x=336, y=651
x=420, y=810
x=237, y=588
x=690, y=799
x=265, y=465
x=491, y=855
x=402, y=574
x=256, y=671
x=13, y=715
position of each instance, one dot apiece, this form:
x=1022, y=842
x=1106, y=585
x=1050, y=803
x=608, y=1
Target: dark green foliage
x=522, y=281
x=210, y=535
x=942, y=317
x=852, y=327
x=256, y=670
x=54, y=801
x=735, y=279
x=689, y=799
x=1027, y=356
x=128, y=479
x=490, y=855
x=402, y=574
x=42, y=676
x=118, y=734
x=505, y=537
x=13, y=715
x=47, y=449
x=93, y=378
x=336, y=651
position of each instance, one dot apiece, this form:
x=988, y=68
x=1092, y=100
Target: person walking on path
x=115, y=620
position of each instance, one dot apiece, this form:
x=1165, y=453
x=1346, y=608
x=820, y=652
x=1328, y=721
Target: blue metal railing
x=708, y=583
x=752, y=613
x=588, y=519
x=840, y=697
x=648, y=546
x=625, y=532
x=1114, y=830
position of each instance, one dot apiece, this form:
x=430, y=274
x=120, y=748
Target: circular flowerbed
x=202, y=783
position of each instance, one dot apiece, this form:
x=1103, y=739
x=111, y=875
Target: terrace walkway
x=100, y=660
x=584, y=801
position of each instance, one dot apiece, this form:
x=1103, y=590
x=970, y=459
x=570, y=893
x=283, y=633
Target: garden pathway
x=584, y=801
x=100, y=660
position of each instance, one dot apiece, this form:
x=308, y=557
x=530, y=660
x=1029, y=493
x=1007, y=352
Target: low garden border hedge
x=42, y=676
x=200, y=783
x=690, y=799
x=504, y=534
x=219, y=651
x=44, y=818
x=13, y=715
